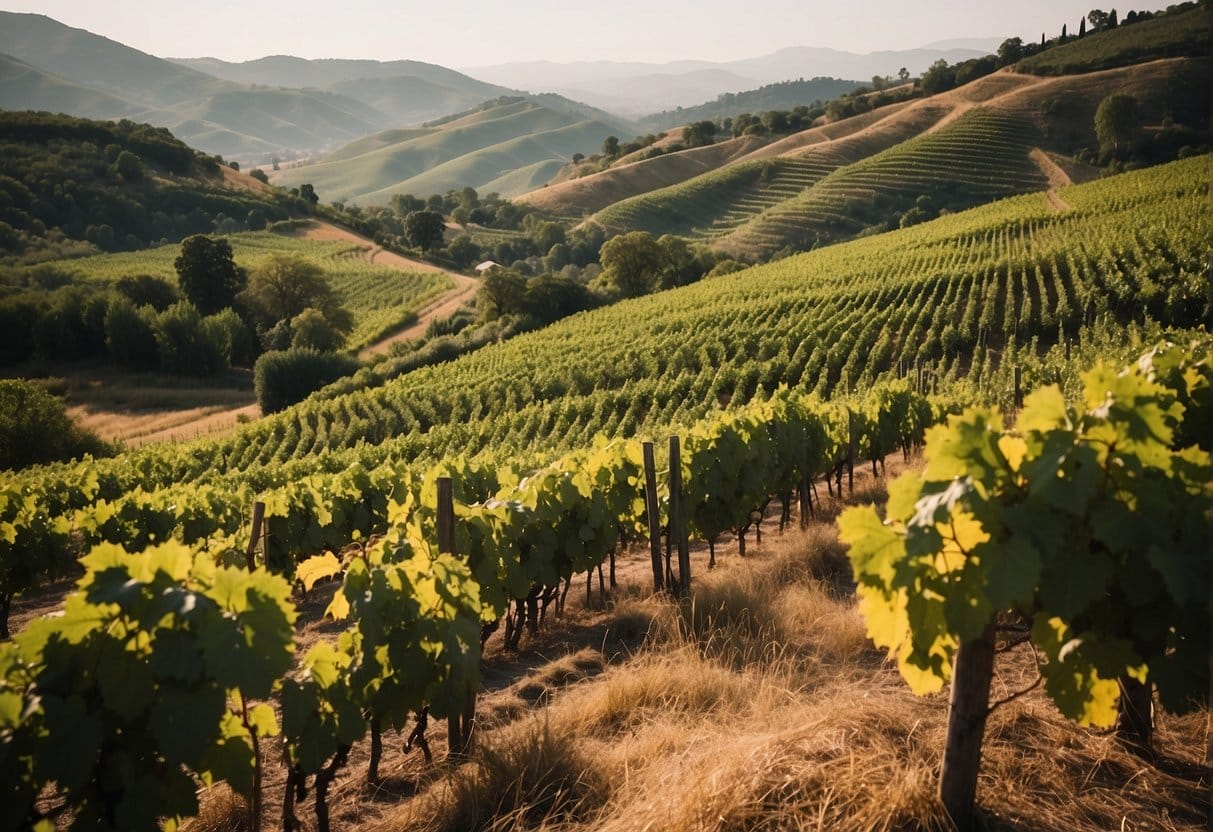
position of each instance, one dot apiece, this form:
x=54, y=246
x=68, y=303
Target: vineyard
x=420, y=614
x=380, y=299
x=955, y=304
x=475, y=491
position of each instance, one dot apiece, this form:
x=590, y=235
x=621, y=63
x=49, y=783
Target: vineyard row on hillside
x=151, y=635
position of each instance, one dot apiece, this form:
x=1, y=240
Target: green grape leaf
x=1012, y=571
x=1073, y=580
x=183, y=721
x=317, y=568
x=1186, y=574
x=874, y=547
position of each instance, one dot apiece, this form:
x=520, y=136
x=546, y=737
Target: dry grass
x=755, y=704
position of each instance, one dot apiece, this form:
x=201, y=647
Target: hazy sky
x=465, y=33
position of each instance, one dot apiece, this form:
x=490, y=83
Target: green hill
x=962, y=296
x=905, y=163
x=206, y=112
x=402, y=92
x=781, y=96
x=474, y=148
x=1183, y=31
x=25, y=87
x=70, y=186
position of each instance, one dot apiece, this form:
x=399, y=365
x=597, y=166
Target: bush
x=231, y=330
x=148, y=290
x=283, y=378
x=129, y=336
x=35, y=428
x=185, y=345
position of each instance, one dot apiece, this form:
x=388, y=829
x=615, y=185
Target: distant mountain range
x=287, y=106
x=636, y=89
x=252, y=111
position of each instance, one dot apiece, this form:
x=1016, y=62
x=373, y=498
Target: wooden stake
x=677, y=521
x=459, y=725
x=968, y=708
x=653, y=516
x=258, y=520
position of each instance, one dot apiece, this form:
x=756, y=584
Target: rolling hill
x=956, y=149
x=252, y=111
x=755, y=196
x=783, y=95
x=404, y=92
x=205, y=112
x=509, y=143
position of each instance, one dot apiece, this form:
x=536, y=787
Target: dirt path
x=1056, y=176
x=440, y=307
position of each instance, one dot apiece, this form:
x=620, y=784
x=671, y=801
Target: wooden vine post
x=1018, y=388
x=459, y=725
x=850, y=451
x=653, y=516
x=678, y=528
x=258, y=521
x=968, y=707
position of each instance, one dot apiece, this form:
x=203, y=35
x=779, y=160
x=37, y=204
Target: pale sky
x=466, y=33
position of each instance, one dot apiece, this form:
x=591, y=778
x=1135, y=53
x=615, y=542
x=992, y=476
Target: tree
x=208, y=274
x=1116, y=121
x=1082, y=27
x=284, y=378
x=424, y=229
x=187, y=346
x=308, y=194
x=283, y=285
x=129, y=336
x=679, y=265
x=259, y=175
x=463, y=250
x=1098, y=18
x=312, y=330
x=550, y=298
x=35, y=428
x=631, y=262
x=129, y=166
x=699, y=134
x=940, y=77
x=578, y=158
x=1010, y=51
x=610, y=147
x=903, y=74
x=501, y=293
x=547, y=234
x=1063, y=33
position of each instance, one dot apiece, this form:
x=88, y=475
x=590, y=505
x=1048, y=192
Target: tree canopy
x=1115, y=121
x=424, y=229
x=208, y=274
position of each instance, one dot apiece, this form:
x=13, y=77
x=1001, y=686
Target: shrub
x=185, y=345
x=35, y=428
x=129, y=336
x=282, y=378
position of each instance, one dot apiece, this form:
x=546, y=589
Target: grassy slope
x=477, y=148
x=1187, y=33
x=748, y=217
x=380, y=298
x=845, y=312
x=215, y=115
x=25, y=87
x=756, y=704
